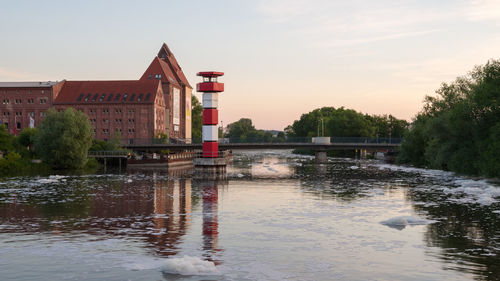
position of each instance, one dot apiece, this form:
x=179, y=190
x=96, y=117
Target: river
x=278, y=216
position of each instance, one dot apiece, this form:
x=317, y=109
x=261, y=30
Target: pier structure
x=211, y=163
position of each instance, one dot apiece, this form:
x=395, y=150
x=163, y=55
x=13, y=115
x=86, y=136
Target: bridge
x=320, y=147
x=278, y=145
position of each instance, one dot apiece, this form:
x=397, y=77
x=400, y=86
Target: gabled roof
x=88, y=92
x=160, y=67
x=169, y=66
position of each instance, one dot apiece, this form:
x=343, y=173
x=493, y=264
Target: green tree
x=27, y=137
x=459, y=128
x=63, y=139
x=6, y=139
x=242, y=131
x=10, y=164
x=197, y=119
x=349, y=123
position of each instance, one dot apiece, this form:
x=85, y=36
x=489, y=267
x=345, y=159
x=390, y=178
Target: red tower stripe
x=210, y=116
x=210, y=149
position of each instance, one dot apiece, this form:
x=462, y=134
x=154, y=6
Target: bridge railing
x=155, y=141
x=107, y=153
x=364, y=140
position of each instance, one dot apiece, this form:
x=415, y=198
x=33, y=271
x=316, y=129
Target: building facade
x=158, y=103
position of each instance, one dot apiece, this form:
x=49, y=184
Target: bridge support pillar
x=321, y=157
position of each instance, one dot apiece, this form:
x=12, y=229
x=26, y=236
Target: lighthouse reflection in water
x=278, y=217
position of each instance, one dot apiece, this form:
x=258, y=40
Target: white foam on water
x=463, y=190
x=188, y=265
x=402, y=221
x=354, y=167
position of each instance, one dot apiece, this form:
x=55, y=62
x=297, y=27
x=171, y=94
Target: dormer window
x=150, y=76
x=157, y=76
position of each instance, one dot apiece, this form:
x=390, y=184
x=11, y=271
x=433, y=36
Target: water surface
x=277, y=217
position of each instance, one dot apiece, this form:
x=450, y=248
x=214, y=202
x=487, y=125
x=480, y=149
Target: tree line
x=459, y=128
x=61, y=141
x=342, y=122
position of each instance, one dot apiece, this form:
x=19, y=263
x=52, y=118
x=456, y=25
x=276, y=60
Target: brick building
x=159, y=102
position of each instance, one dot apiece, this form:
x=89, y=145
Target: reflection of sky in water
x=278, y=217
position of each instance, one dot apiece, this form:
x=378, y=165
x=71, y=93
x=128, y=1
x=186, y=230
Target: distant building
x=159, y=102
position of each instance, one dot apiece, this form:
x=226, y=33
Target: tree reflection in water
x=155, y=208
x=467, y=234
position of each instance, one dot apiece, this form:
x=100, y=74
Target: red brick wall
x=132, y=121
x=30, y=101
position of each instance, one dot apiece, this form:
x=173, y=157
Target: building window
x=105, y=110
x=131, y=121
x=118, y=110
x=18, y=125
x=110, y=97
x=19, y=101
x=43, y=101
x=6, y=101
x=87, y=97
x=94, y=98
x=148, y=95
x=42, y=114
x=102, y=97
x=131, y=110
x=157, y=76
x=80, y=97
x=140, y=97
x=124, y=97
x=117, y=97
x=150, y=76
x=105, y=120
x=132, y=97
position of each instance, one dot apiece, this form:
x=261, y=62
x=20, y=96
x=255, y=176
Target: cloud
x=481, y=10
x=340, y=23
x=356, y=41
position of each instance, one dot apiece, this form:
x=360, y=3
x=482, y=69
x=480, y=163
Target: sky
x=281, y=58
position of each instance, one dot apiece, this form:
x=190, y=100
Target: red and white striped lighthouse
x=210, y=133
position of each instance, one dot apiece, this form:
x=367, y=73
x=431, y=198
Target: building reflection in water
x=153, y=208
x=171, y=214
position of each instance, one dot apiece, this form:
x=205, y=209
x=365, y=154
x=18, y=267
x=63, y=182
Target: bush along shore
x=459, y=129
